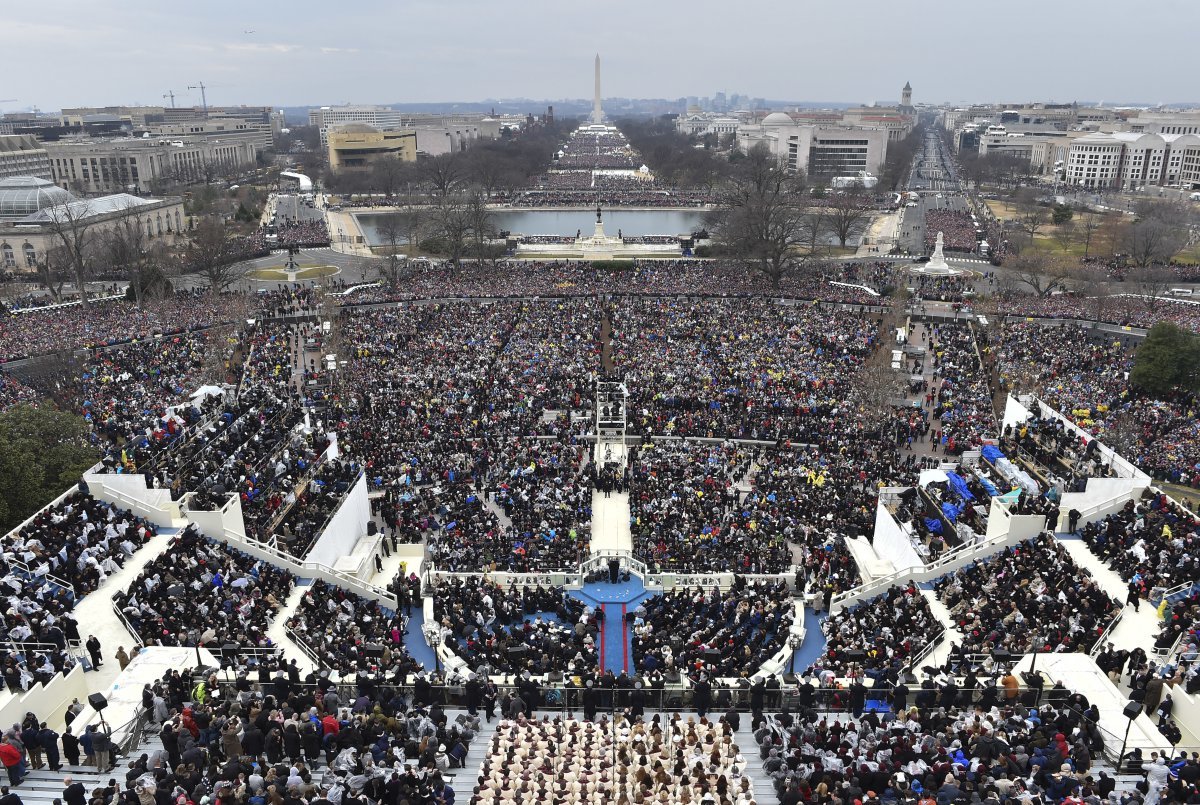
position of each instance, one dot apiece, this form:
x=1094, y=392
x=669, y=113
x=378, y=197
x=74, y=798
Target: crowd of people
x=754, y=369
x=344, y=633
x=1151, y=543
x=204, y=593
x=1028, y=598
x=957, y=228
x=878, y=638
x=713, y=632
x=521, y=629
x=1127, y=310
x=960, y=399
x=110, y=322
x=276, y=737
x=998, y=750
x=70, y=548
x=569, y=761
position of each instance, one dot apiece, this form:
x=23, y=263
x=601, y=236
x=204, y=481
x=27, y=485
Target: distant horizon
x=426, y=52
x=537, y=104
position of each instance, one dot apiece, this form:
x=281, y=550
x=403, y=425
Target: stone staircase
x=43, y=787
x=951, y=637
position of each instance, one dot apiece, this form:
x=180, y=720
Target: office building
x=821, y=151
x=23, y=155
x=357, y=145
x=1127, y=160
x=145, y=164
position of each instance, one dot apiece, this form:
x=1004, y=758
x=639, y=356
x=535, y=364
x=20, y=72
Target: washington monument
x=597, y=112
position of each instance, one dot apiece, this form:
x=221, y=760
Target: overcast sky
x=100, y=52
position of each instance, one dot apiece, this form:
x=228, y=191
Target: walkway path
x=880, y=237
x=277, y=631
x=616, y=601
x=97, y=617
x=1137, y=627
x=952, y=637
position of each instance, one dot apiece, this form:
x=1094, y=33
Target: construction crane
x=203, y=97
x=171, y=94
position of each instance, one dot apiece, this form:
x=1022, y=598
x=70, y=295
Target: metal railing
x=134, y=633
x=1098, y=648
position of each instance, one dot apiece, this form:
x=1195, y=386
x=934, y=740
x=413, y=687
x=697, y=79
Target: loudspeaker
x=712, y=656
x=372, y=528
x=373, y=650
x=97, y=701
x=517, y=652
x=1132, y=710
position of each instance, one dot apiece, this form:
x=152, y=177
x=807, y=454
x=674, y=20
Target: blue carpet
x=620, y=593
x=1064, y=535
x=814, y=640
x=415, y=640
x=615, y=639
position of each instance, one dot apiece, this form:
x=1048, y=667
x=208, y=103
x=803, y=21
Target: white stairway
x=278, y=631
x=951, y=638
x=1137, y=627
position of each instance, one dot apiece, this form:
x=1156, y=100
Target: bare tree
x=814, y=227
x=54, y=271
x=1064, y=235
x=1153, y=239
x=213, y=257
x=1089, y=224
x=483, y=226
x=452, y=224
x=126, y=248
x=73, y=227
x=1031, y=221
x=393, y=231
x=445, y=172
x=1151, y=282
x=847, y=211
x=388, y=176
x=759, y=215
x=1042, y=273
x=876, y=392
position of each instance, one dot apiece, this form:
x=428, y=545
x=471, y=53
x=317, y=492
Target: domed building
x=36, y=216
x=778, y=119
x=25, y=195
x=823, y=151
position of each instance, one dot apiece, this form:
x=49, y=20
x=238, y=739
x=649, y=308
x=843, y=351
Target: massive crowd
x=1029, y=598
x=713, y=632
x=203, y=593
x=345, y=633
x=995, y=751
x=111, y=322
x=879, y=638
x=957, y=228
x=1150, y=543
x=569, y=761
x=523, y=629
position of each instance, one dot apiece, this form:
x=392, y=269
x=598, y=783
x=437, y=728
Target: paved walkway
x=952, y=637
x=880, y=237
x=1137, y=627
x=278, y=633
x=97, y=617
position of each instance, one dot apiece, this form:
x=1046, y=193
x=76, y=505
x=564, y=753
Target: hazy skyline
x=75, y=53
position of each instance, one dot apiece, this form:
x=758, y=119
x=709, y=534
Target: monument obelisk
x=597, y=112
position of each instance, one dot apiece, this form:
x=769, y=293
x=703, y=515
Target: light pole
x=1132, y=711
